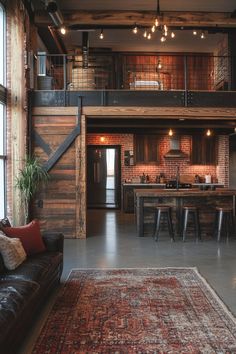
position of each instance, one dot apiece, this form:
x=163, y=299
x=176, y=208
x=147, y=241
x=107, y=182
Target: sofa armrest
x=54, y=241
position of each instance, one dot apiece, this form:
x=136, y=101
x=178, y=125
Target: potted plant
x=29, y=180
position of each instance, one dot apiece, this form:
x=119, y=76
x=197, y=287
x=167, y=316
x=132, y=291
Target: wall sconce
x=159, y=64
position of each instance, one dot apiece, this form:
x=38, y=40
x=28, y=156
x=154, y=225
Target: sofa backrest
x=2, y=266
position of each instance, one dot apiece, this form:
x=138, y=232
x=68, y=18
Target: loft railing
x=134, y=72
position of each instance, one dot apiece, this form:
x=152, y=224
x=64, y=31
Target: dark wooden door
x=103, y=176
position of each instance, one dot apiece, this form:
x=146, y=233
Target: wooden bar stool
x=193, y=212
x=224, y=221
x=163, y=212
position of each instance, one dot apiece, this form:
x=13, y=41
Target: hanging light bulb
x=203, y=35
x=159, y=64
x=165, y=30
x=156, y=22
x=194, y=32
x=63, y=30
x=170, y=132
x=149, y=36
x=145, y=33
x=135, y=29
x=163, y=38
x=172, y=34
x=101, y=36
x=208, y=133
x=157, y=19
x=153, y=29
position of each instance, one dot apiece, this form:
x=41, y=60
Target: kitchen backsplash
x=167, y=166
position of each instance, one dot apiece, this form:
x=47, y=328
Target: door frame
x=102, y=146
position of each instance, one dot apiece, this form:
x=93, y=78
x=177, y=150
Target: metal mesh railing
x=134, y=72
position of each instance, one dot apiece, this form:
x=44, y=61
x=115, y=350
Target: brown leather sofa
x=25, y=289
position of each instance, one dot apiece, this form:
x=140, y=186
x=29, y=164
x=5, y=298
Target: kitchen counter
x=183, y=192
x=164, y=184
x=144, y=184
x=206, y=201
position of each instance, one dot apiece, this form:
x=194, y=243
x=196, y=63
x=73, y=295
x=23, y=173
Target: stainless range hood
x=175, y=151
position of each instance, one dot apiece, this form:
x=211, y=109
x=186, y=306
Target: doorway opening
x=103, y=176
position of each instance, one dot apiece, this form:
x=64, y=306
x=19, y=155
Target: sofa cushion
x=4, y=222
x=36, y=268
x=12, y=251
x=29, y=235
x=14, y=297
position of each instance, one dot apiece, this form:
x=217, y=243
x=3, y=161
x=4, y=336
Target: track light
x=101, y=35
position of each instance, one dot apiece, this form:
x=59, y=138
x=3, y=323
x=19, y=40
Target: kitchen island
x=206, y=201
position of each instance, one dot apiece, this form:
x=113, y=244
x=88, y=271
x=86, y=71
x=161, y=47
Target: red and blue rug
x=164, y=310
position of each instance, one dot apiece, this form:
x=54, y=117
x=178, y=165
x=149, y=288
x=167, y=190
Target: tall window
x=2, y=111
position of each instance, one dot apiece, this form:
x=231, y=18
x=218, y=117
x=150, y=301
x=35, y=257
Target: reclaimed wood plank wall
x=58, y=204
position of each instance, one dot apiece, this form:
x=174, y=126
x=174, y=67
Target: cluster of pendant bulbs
x=156, y=26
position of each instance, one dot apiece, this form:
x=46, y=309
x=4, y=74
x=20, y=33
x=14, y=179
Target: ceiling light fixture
x=203, y=35
x=63, y=30
x=194, y=32
x=153, y=29
x=163, y=38
x=170, y=132
x=145, y=33
x=172, y=34
x=135, y=29
x=158, y=15
x=208, y=133
x=101, y=35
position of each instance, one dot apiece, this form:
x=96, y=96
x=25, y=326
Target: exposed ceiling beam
x=142, y=18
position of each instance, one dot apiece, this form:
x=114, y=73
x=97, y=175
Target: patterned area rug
x=164, y=310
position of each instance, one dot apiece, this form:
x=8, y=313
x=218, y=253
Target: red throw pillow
x=29, y=235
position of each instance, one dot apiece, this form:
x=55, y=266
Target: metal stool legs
x=193, y=211
x=163, y=212
x=224, y=221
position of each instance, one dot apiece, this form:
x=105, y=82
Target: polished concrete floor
x=113, y=243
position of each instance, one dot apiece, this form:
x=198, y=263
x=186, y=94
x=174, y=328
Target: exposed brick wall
x=166, y=166
x=223, y=160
